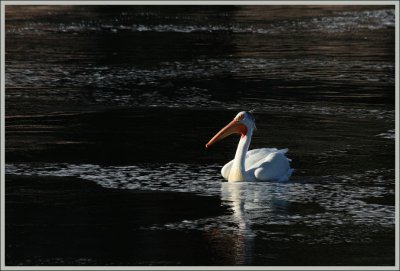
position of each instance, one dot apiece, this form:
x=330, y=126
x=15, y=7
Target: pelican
x=265, y=164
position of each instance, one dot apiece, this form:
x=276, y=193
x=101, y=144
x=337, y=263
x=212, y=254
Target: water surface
x=127, y=96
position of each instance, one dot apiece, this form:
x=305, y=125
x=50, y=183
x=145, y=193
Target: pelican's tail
x=283, y=151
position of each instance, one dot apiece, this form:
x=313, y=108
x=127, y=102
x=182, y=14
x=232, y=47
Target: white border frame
x=2, y=135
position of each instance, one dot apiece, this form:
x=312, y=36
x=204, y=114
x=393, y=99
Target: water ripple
x=336, y=23
x=325, y=200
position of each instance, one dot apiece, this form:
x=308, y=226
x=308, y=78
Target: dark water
x=128, y=96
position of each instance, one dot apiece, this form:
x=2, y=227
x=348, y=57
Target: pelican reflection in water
x=252, y=204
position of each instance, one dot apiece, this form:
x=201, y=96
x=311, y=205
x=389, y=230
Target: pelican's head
x=241, y=124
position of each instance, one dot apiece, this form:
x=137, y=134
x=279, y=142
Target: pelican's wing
x=275, y=167
x=256, y=156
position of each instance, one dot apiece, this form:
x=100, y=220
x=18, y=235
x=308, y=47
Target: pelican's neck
x=238, y=170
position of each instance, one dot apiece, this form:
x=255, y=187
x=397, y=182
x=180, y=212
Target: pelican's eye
x=240, y=117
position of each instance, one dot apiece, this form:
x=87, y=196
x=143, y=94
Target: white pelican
x=266, y=164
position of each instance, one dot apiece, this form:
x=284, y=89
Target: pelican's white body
x=266, y=164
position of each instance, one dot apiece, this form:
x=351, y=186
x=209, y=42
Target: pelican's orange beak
x=234, y=127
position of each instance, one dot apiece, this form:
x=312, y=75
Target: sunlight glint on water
x=331, y=201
